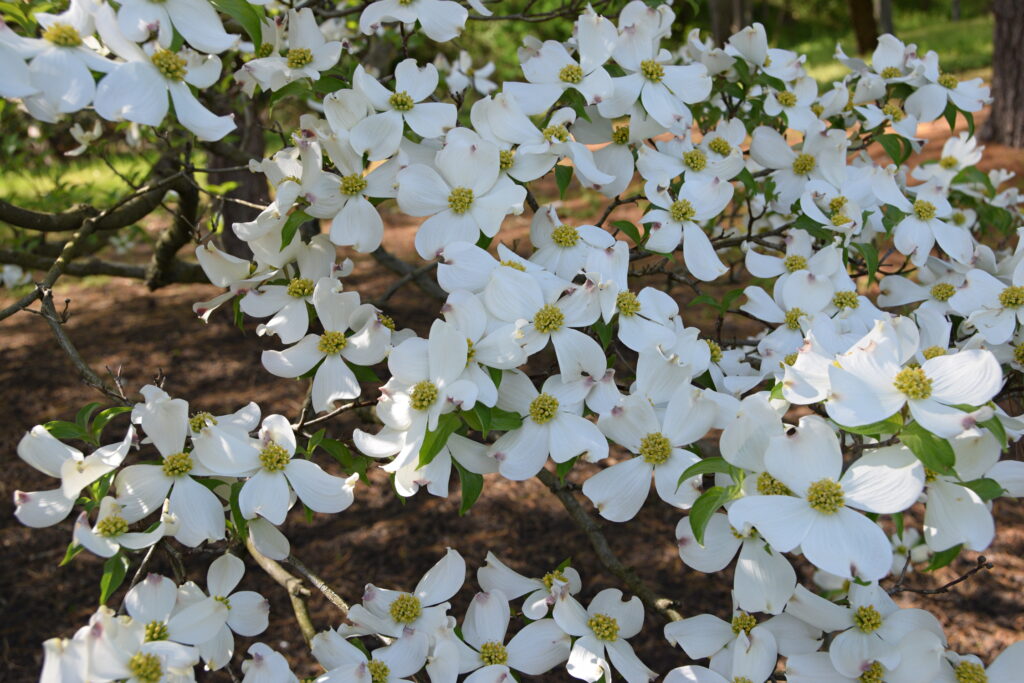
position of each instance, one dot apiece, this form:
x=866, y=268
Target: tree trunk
x=862, y=15
x=884, y=8
x=1006, y=123
x=252, y=187
x=954, y=10
x=721, y=20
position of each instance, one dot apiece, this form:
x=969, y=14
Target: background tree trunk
x=954, y=10
x=721, y=20
x=884, y=11
x=862, y=15
x=252, y=187
x=1006, y=123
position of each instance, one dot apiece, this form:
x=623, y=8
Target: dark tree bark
x=954, y=10
x=1006, y=123
x=252, y=187
x=862, y=15
x=885, y=16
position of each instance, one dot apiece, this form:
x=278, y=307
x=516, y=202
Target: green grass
x=66, y=182
x=963, y=46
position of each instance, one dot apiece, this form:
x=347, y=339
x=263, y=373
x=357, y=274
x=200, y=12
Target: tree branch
x=608, y=558
x=397, y=265
x=293, y=585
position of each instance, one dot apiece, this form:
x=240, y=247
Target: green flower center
x=620, y=136
x=493, y=652
x=571, y=73
x=112, y=526
x=353, y=184
x=515, y=265
x=786, y=98
x=460, y=200
x=604, y=627
x=627, y=303
x=913, y=383
x=1012, y=297
x=406, y=609
x=695, y=160
x=818, y=109
x=794, y=263
x=423, y=395
x=894, y=112
x=890, y=72
x=170, y=65
x=549, y=579
x=401, y=101
x=652, y=71
x=555, y=134
x=874, y=673
x=924, y=210
x=948, y=162
x=942, y=291
x=970, y=672
x=1018, y=354
x=804, y=164
x=767, y=485
x=274, y=458
x=826, y=496
x=63, y=35
x=177, y=465
x=793, y=318
x=299, y=57
x=565, y=236
x=506, y=158
x=720, y=146
x=548, y=319
x=790, y=358
x=845, y=299
x=949, y=81
x=743, y=622
x=201, y=421
x=958, y=218
x=331, y=343
x=379, y=671
x=223, y=600
x=741, y=679
x=265, y=50
x=655, y=448
x=867, y=619
x=387, y=321
x=933, y=352
x=145, y=668
x=682, y=210
x=300, y=287
x=155, y=630
x=543, y=408
x=716, y=350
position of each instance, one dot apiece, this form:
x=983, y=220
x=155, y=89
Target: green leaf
x=895, y=146
x=505, y=421
x=630, y=229
x=889, y=425
x=705, y=466
x=240, y=523
x=114, y=571
x=943, y=558
x=105, y=416
x=62, y=429
x=314, y=441
x=897, y=519
x=83, y=416
x=935, y=453
x=986, y=488
x=604, y=332
x=496, y=376
x=363, y=374
x=777, y=392
x=574, y=98
x=295, y=220
x=563, y=468
x=708, y=502
x=481, y=415
x=970, y=121
x=995, y=426
x=472, y=486
x=246, y=15
x=950, y=115
x=435, y=440
x=563, y=174
x=747, y=178
x=870, y=254
x=972, y=174
x=352, y=463
x=71, y=553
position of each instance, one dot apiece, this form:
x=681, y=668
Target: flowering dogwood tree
x=860, y=371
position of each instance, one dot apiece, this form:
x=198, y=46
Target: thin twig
x=292, y=584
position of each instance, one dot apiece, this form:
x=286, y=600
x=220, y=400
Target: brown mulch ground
x=380, y=539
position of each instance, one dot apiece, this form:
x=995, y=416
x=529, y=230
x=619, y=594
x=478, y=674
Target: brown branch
x=172, y=239
x=397, y=265
x=293, y=585
x=607, y=557
x=981, y=565
x=404, y=280
x=177, y=272
x=320, y=585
